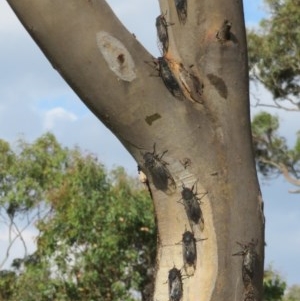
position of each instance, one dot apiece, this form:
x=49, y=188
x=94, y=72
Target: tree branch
x=277, y=105
x=285, y=172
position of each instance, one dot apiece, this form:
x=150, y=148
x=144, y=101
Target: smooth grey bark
x=105, y=65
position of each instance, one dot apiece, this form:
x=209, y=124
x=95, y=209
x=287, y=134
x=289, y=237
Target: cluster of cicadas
x=182, y=82
x=157, y=168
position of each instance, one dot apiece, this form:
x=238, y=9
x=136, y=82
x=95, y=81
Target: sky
x=35, y=99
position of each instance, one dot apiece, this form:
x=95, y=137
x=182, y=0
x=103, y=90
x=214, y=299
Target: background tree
x=96, y=234
x=293, y=293
x=274, y=157
x=276, y=67
x=274, y=286
x=277, y=63
x=191, y=127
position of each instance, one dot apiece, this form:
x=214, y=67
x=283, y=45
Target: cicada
x=189, y=251
x=175, y=285
x=162, y=33
x=157, y=168
x=249, y=261
x=191, y=203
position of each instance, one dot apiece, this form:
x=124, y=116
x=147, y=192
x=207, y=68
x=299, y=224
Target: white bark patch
x=116, y=55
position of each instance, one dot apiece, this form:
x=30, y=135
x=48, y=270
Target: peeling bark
x=105, y=65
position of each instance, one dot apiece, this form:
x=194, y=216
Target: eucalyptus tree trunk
x=188, y=129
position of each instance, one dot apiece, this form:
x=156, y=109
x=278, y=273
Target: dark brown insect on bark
x=181, y=8
x=168, y=78
x=249, y=261
x=162, y=33
x=175, y=285
x=223, y=34
x=157, y=168
x=191, y=203
x=189, y=252
x=166, y=71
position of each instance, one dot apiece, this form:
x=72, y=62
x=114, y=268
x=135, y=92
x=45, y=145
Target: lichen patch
x=116, y=56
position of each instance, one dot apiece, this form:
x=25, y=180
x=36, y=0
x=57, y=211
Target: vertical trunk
x=205, y=130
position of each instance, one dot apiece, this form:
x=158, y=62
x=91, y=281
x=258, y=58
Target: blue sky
x=34, y=99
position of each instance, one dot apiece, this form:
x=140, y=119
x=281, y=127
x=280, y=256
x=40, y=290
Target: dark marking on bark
x=186, y=162
x=151, y=118
x=181, y=7
x=121, y=58
x=224, y=35
x=219, y=84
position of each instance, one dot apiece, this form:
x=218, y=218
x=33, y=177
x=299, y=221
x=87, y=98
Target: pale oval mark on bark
x=116, y=55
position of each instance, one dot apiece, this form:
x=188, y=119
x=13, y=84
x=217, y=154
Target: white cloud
x=57, y=116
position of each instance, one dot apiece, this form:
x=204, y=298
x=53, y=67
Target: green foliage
x=271, y=150
x=293, y=293
x=274, y=52
x=97, y=237
x=27, y=176
x=7, y=283
x=274, y=286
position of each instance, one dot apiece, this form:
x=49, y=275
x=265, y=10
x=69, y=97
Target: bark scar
x=150, y=119
x=116, y=56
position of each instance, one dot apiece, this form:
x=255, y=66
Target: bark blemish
x=151, y=118
x=186, y=162
x=116, y=56
x=219, y=84
x=224, y=34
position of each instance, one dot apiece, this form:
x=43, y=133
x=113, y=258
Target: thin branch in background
x=10, y=244
x=14, y=229
x=284, y=170
x=15, y=232
x=276, y=105
x=19, y=234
